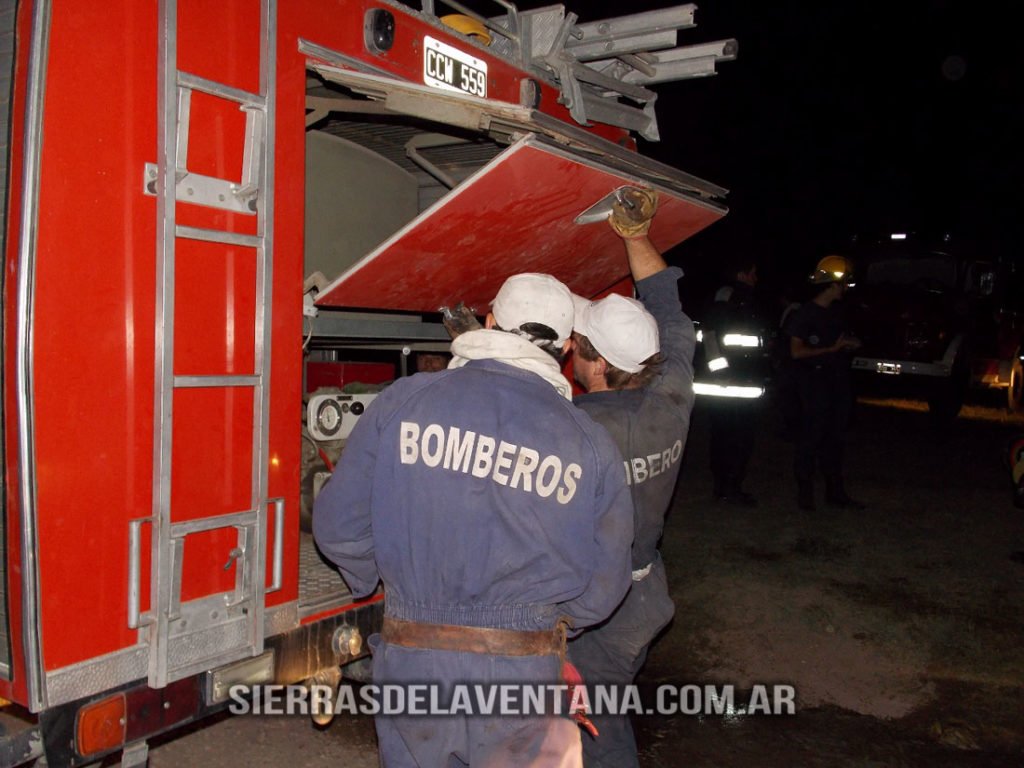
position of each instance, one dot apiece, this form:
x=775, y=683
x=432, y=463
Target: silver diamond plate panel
x=319, y=581
x=99, y=674
x=209, y=643
x=540, y=28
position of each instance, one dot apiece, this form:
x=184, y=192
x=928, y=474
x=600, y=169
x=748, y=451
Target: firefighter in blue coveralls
x=493, y=510
x=635, y=359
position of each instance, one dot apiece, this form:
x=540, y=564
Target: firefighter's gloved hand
x=632, y=212
x=459, y=319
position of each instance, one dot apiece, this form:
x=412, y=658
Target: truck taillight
x=100, y=726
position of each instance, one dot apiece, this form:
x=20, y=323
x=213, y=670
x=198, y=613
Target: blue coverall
x=650, y=426
x=482, y=498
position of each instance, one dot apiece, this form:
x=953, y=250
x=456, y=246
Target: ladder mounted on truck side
x=188, y=636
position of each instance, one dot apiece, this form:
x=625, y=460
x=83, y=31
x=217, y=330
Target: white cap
x=534, y=298
x=620, y=329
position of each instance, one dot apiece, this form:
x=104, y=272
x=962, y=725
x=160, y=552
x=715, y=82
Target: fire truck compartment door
x=522, y=212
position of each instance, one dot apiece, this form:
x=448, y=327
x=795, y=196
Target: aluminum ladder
x=187, y=638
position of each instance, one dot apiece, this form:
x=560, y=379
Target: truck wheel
x=1015, y=392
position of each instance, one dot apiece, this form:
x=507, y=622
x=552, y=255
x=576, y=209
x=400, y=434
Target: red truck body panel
x=92, y=331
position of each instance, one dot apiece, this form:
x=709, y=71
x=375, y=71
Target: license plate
x=893, y=369
x=453, y=70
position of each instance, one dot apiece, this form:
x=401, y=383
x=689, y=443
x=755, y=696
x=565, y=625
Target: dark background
x=840, y=118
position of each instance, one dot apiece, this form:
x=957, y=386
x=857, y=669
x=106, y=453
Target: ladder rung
x=196, y=83
x=193, y=382
x=179, y=530
x=218, y=236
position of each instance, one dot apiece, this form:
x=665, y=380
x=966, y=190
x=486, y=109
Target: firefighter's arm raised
x=656, y=287
x=644, y=259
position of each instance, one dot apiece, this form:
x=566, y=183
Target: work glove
x=459, y=319
x=632, y=212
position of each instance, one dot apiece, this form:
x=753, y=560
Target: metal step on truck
x=211, y=210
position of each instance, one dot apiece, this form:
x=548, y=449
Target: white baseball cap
x=531, y=297
x=620, y=329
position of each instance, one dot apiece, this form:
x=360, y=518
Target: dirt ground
x=900, y=626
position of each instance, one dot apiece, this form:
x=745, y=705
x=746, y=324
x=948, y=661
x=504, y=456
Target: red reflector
x=100, y=726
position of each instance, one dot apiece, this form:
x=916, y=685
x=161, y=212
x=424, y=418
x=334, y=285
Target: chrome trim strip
x=264, y=315
x=330, y=56
x=32, y=634
x=325, y=603
x=278, y=563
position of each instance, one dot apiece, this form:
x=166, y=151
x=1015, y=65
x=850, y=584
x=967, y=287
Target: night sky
x=839, y=118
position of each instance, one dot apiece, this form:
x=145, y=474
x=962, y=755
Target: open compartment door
x=519, y=213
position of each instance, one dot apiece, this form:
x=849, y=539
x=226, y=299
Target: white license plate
x=892, y=369
x=453, y=70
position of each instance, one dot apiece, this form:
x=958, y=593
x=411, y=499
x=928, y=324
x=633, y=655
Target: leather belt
x=451, y=637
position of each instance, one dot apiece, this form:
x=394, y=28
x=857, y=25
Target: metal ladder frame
x=245, y=605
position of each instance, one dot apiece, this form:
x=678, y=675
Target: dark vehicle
x=939, y=318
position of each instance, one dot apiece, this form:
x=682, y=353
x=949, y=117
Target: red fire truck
x=203, y=198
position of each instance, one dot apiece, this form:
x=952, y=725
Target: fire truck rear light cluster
x=100, y=726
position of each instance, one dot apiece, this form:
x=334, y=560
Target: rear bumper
x=887, y=366
x=298, y=655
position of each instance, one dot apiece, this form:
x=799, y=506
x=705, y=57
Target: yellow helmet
x=833, y=269
x=467, y=26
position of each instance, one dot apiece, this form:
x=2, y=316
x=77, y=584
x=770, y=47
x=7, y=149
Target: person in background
x=820, y=348
x=734, y=337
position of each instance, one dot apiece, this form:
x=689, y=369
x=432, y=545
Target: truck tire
x=1015, y=392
